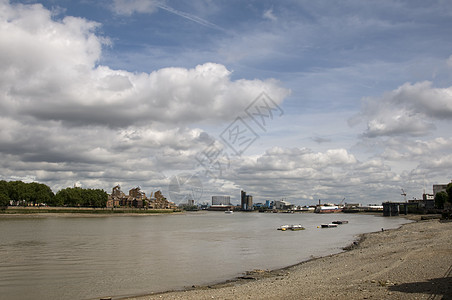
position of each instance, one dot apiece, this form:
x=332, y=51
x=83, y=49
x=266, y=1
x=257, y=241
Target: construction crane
x=340, y=203
x=404, y=195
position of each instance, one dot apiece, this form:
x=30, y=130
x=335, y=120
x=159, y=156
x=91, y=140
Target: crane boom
x=403, y=194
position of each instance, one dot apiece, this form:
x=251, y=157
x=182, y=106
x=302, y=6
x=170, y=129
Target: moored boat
x=283, y=227
x=331, y=225
x=296, y=227
x=324, y=209
x=291, y=227
x=339, y=222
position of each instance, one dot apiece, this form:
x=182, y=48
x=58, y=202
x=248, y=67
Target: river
x=58, y=257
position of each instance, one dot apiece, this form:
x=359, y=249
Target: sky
x=299, y=100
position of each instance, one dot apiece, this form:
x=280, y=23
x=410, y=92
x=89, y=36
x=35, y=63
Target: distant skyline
x=301, y=100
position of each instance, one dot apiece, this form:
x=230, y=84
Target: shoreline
x=36, y=212
x=377, y=265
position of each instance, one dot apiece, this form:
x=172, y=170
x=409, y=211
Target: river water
x=93, y=257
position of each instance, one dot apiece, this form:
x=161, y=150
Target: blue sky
x=99, y=93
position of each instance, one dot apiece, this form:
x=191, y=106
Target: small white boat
x=328, y=225
x=296, y=227
x=284, y=227
x=228, y=211
x=291, y=227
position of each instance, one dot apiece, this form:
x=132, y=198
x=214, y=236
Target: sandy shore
x=412, y=262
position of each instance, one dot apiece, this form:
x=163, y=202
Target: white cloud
x=67, y=118
x=400, y=123
x=49, y=72
x=423, y=98
x=397, y=149
x=64, y=118
x=303, y=176
x=410, y=110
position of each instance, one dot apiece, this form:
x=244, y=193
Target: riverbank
x=412, y=262
x=46, y=211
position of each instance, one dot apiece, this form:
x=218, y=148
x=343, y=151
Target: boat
x=339, y=222
x=331, y=225
x=296, y=227
x=291, y=227
x=228, y=211
x=324, y=209
x=284, y=227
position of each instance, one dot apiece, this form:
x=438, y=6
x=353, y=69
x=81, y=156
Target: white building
x=221, y=200
x=281, y=204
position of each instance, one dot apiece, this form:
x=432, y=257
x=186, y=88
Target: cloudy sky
x=302, y=100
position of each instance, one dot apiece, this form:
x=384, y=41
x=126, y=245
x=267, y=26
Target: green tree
x=59, y=199
x=94, y=198
x=17, y=190
x=100, y=199
x=4, y=187
x=81, y=197
x=440, y=199
x=449, y=192
x=70, y=196
x=4, y=200
x=39, y=193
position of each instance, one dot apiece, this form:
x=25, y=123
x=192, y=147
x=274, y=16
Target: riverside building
x=221, y=200
x=246, y=201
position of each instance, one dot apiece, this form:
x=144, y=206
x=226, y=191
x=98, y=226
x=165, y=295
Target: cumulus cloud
x=423, y=98
x=49, y=72
x=97, y=155
x=64, y=118
x=410, y=110
x=416, y=150
x=304, y=176
x=398, y=123
x=67, y=119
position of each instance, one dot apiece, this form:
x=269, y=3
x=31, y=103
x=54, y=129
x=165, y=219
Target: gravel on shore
x=412, y=262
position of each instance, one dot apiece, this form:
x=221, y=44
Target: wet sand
x=412, y=262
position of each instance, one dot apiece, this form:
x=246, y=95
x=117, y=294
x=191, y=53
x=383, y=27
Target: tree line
x=35, y=194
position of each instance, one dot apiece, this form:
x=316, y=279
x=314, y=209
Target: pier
x=396, y=208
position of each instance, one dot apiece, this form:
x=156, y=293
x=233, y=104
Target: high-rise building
x=249, y=202
x=243, y=200
x=246, y=201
